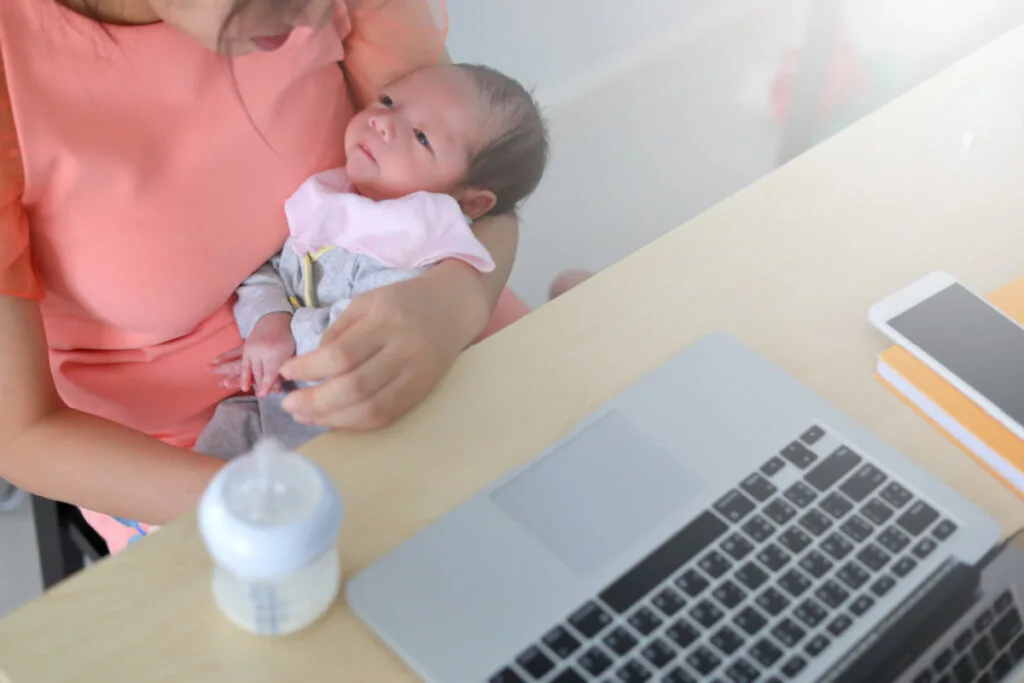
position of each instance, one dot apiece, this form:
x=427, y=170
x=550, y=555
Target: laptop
x=716, y=521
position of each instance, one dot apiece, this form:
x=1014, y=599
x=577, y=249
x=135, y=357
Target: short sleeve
x=17, y=274
x=388, y=39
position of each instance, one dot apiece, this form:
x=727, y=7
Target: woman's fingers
x=337, y=355
x=372, y=413
x=322, y=403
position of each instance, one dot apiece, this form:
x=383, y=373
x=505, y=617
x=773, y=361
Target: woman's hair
x=512, y=163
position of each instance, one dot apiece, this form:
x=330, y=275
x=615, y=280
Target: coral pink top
x=140, y=184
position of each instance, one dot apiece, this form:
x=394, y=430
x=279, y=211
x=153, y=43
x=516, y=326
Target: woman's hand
x=389, y=349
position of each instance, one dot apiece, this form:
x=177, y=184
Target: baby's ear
x=475, y=202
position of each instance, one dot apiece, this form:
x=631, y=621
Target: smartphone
x=966, y=340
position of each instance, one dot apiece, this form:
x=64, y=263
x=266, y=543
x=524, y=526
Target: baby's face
x=419, y=136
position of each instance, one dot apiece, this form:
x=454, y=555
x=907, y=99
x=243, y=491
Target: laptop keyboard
x=755, y=587
x=984, y=652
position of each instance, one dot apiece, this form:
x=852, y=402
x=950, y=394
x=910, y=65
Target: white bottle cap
x=269, y=513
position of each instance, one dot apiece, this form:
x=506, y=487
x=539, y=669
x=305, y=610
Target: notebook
x=970, y=427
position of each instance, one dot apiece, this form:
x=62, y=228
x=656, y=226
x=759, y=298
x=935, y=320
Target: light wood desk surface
x=790, y=266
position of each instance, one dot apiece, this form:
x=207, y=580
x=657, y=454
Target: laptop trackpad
x=587, y=501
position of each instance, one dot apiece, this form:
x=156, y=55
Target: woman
x=147, y=149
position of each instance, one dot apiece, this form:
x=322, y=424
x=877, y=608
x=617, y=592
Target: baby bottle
x=270, y=520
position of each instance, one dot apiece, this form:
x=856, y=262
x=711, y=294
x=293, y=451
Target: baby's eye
x=387, y=101
x=422, y=138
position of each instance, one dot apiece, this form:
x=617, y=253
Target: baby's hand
x=269, y=345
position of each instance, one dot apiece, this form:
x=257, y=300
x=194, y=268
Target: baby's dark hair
x=512, y=162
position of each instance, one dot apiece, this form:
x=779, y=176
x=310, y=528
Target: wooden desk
x=790, y=266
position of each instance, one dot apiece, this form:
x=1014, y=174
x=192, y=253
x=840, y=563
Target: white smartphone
x=969, y=342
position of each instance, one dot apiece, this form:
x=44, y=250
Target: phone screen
x=973, y=341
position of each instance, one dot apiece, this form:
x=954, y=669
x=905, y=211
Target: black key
x=832, y=469
x=692, y=583
x=682, y=633
x=659, y=653
x=925, y=547
x=506, y=676
x=569, y=676
x=737, y=547
x=758, y=488
x=1004, y=600
x=812, y=435
x=1006, y=628
x=650, y=572
x=883, y=585
x=795, y=539
x=837, y=546
x=1002, y=666
x=727, y=641
x=857, y=528
x=714, y=564
x=877, y=511
x=633, y=672
x=595, y=661
x=862, y=604
x=983, y=621
x=794, y=666
x=765, y=652
x=904, y=566
x=1017, y=648
x=535, y=662
x=836, y=505
x=816, y=564
x=983, y=652
x=816, y=645
x=773, y=466
x=799, y=454
x=590, y=619
x=963, y=670
x=645, y=621
x=893, y=540
x=620, y=641
x=773, y=557
x=788, y=632
x=873, y=557
x=917, y=518
x=734, y=506
x=742, y=672
x=794, y=583
x=832, y=594
x=944, y=530
x=729, y=594
x=703, y=661
x=561, y=642
x=759, y=528
x=800, y=494
x=853, y=575
x=896, y=495
x=772, y=601
x=750, y=620
x=924, y=677
x=677, y=675
x=669, y=601
x=706, y=614
x=943, y=661
x=839, y=625
x=810, y=612
x=863, y=482
x=751, y=576
x=779, y=511
x=963, y=640
x=816, y=522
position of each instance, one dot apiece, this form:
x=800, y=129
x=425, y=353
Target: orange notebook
x=982, y=436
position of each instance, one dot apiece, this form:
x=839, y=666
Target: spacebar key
x=670, y=556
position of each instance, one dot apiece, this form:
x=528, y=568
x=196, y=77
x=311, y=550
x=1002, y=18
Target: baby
x=442, y=147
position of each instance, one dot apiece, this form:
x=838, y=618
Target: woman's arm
x=59, y=453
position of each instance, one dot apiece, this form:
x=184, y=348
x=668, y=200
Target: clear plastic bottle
x=270, y=521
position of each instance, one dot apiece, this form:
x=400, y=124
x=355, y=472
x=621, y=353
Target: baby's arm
x=262, y=292
x=263, y=313
x=309, y=324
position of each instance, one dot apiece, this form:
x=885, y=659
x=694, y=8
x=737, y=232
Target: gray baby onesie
x=335, y=276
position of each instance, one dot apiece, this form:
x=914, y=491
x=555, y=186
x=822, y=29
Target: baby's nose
x=383, y=126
